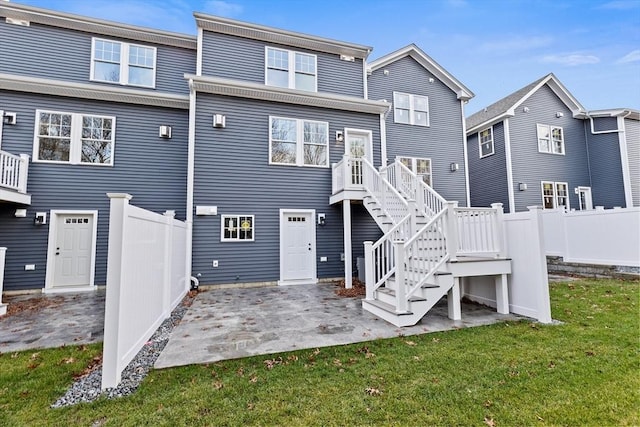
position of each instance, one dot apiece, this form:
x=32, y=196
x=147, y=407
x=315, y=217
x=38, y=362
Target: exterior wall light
x=339, y=136
x=165, y=132
x=219, y=121
x=454, y=167
x=522, y=186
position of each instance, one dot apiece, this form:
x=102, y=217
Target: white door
x=584, y=196
x=73, y=250
x=358, y=145
x=297, y=247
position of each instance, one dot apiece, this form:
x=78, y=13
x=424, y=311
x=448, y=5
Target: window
x=123, y=63
x=421, y=167
x=410, y=109
x=294, y=70
x=550, y=139
x=237, y=228
x=298, y=142
x=555, y=195
x=74, y=138
x=485, y=140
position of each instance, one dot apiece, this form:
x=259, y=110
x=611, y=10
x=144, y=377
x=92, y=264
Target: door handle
x=57, y=253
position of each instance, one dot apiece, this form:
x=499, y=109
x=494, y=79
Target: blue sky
x=494, y=47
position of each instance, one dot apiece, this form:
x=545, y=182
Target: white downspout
x=466, y=154
x=507, y=154
x=190, y=177
x=624, y=161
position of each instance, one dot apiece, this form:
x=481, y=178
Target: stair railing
x=390, y=201
x=407, y=183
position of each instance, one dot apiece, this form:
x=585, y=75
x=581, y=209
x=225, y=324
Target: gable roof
x=428, y=63
x=505, y=107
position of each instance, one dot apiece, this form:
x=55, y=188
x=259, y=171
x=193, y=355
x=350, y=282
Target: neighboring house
x=286, y=154
x=539, y=146
x=85, y=99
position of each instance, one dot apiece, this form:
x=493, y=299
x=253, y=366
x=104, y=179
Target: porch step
x=388, y=312
x=388, y=296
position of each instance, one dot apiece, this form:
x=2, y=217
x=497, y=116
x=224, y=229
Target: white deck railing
x=479, y=231
x=390, y=201
x=412, y=187
x=13, y=171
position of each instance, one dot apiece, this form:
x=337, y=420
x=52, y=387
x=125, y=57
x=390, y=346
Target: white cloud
x=633, y=56
x=516, y=44
x=571, y=60
x=223, y=8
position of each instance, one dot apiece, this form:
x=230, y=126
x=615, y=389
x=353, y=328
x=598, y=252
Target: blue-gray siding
x=632, y=135
x=607, y=184
x=532, y=167
x=488, y=175
x=63, y=54
x=232, y=172
x=151, y=169
x=442, y=141
x=235, y=57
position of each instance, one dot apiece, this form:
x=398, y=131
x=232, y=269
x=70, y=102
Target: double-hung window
x=485, y=141
x=74, y=138
x=123, y=63
x=550, y=139
x=298, y=142
x=289, y=69
x=410, y=109
x=419, y=166
x=555, y=195
x=237, y=228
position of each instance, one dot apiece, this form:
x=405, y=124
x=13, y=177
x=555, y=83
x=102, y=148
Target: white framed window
x=410, y=109
x=485, y=142
x=74, y=138
x=123, y=63
x=237, y=228
x=290, y=69
x=555, y=195
x=550, y=139
x=419, y=166
x=298, y=142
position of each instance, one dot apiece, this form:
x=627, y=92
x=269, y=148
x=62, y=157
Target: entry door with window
x=73, y=250
x=358, y=145
x=584, y=197
x=297, y=248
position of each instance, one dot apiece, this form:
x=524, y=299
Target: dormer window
x=289, y=69
x=123, y=63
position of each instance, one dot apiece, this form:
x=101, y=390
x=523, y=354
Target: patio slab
x=235, y=323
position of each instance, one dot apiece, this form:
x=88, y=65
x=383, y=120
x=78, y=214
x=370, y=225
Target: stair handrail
x=429, y=201
x=380, y=258
x=390, y=201
x=421, y=268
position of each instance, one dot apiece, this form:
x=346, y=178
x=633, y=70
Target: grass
x=583, y=372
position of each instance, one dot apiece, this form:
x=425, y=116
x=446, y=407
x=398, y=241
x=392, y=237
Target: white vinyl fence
x=146, y=279
x=528, y=283
x=3, y=307
x=606, y=237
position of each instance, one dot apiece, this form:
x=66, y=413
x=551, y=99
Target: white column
x=452, y=229
x=168, y=263
x=499, y=230
x=453, y=300
x=348, y=264
x=369, y=269
x=111, y=369
x=402, y=305
x=502, y=294
x=3, y=307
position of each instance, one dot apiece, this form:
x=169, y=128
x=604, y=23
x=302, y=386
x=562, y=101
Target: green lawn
x=583, y=372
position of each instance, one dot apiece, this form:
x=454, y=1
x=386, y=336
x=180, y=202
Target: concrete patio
x=235, y=323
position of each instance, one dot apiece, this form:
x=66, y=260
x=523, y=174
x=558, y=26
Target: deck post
x=452, y=230
x=453, y=300
x=348, y=264
x=3, y=307
x=502, y=294
x=499, y=237
x=401, y=286
x=413, y=211
x=369, y=277
x=24, y=172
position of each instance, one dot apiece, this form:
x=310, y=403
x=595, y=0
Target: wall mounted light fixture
x=454, y=167
x=165, y=132
x=525, y=109
x=322, y=219
x=219, y=121
x=41, y=218
x=10, y=118
x=339, y=136
x=559, y=114
x=522, y=186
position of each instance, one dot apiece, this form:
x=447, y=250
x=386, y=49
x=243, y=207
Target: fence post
x=168, y=263
x=452, y=229
x=539, y=259
x=401, y=286
x=498, y=233
x=369, y=278
x=117, y=228
x=3, y=307
x=24, y=172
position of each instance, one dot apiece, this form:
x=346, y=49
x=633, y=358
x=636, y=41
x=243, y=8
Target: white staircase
x=407, y=269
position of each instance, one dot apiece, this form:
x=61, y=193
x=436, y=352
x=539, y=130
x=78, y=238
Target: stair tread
x=387, y=307
x=393, y=293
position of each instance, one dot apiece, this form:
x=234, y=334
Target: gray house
x=540, y=146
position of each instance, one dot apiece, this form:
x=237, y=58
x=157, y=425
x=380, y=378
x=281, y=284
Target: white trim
x=383, y=141
x=191, y=150
x=554, y=185
x=299, y=143
x=278, y=36
x=51, y=251
x=92, y=91
x=354, y=131
x=465, y=152
x=551, y=141
x=291, y=70
x=314, y=279
x=493, y=148
x=1, y=124
x=123, y=64
x=586, y=190
x=414, y=166
x=75, y=145
x=238, y=239
x=242, y=89
x=507, y=155
x=624, y=160
x=411, y=109
x=96, y=26
x=199, y=52
x=365, y=80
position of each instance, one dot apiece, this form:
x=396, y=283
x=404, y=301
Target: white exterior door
x=73, y=250
x=297, y=247
x=358, y=145
x=584, y=196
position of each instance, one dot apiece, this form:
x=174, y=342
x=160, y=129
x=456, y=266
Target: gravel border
x=88, y=388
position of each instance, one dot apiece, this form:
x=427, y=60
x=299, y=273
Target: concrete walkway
x=235, y=323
